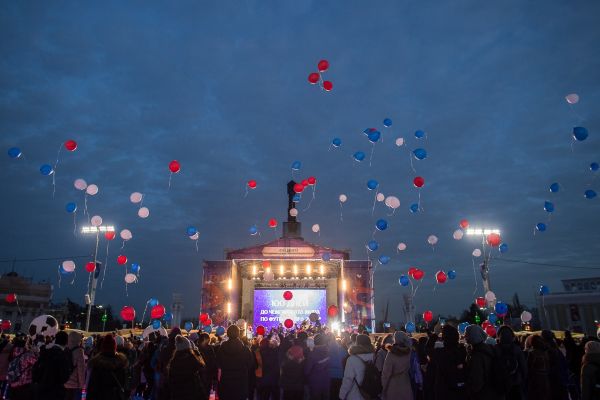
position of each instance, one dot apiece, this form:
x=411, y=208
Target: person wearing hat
x=360, y=353
x=292, y=374
x=395, y=377
x=236, y=363
x=107, y=373
x=479, y=365
x=185, y=373
x=76, y=381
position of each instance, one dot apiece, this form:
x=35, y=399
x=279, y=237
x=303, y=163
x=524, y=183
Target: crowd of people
x=301, y=365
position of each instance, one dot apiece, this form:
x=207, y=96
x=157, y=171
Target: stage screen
x=271, y=309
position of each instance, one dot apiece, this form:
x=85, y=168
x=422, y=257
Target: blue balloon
x=501, y=308
x=414, y=208
x=296, y=198
x=220, y=331
x=410, y=327
x=594, y=166
x=207, y=329
x=374, y=136
x=62, y=270
x=168, y=317
x=462, y=327
x=369, y=130
x=548, y=207
x=387, y=122
x=381, y=224
x=135, y=268
x=420, y=154
x=419, y=134
x=359, y=156
x=156, y=324
x=403, y=280
x=555, y=187
x=493, y=318
x=372, y=184
x=296, y=165
x=188, y=326
x=580, y=133
x=541, y=227
x=191, y=230
x=336, y=142
x=372, y=245
x=71, y=207
x=46, y=170
x=544, y=290
x=14, y=152
x=452, y=274
x=253, y=230
x=153, y=302
x=590, y=194
x=503, y=248
x=383, y=260
x=326, y=256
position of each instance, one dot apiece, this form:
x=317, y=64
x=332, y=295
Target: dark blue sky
x=222, y=87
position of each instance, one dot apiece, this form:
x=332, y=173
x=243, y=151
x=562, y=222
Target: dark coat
x=186, y=378
x=292, y=374
x=107, y=377
x=479, y=373
x=48, y=373
x=538, y=375
x=559, y=374
x=395, y=375
x=236, y=362
x=316, y=368
x=450, y=373
x=590, y=370
x=519, y=378
x=270, y=367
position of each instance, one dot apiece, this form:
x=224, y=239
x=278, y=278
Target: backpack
x=53, y=367
x=505, y=367
x=371, y=386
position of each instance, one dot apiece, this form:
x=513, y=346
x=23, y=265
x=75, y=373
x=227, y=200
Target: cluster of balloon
x=317, y=77
x=192, y=232
x=299, y=188
x=138, y=198
x=47, y=170
x=67, y=267
x=174, y=168
x=373, y=135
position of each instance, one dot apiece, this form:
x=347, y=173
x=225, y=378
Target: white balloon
x=399, y=141
x=458, y=234
x=432, y=239
x=476, y=253
x=268, y=276
x=526, y=316
x=96, y=220
x=293, y=212
x=380, y=197
x=143, y=212
x=240, y=323
x=572, y=98
x=80, y=184
x=490, y=296
x=126, y=234
x=343, y=198
x=92, y=190
x=149, y=329
x=316, y=228
x=195, y=236
x=130, y=278
x=401, y=246
x=392, y=202
x=135, y=197
x=68, y=266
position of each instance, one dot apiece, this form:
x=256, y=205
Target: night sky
x=222, y=87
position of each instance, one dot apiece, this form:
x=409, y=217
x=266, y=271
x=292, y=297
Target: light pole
x=485, y=267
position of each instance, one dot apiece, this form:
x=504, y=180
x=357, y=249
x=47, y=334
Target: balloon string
x=75, y=223
x=123, y=245
x=474, y=275
x=341, y=211
x=126, y=290
x=196, y=245
x=411, y=163
x=54, y=172
x=105, y=265
x=59, y=277
x=372, y=151
x=144, y=314
x=246, y=194
x=314, y=190
x=374, y=202
x=74, y=276
x=170, y=176
x=85, y=208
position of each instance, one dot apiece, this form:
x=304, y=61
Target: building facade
x=33, y=299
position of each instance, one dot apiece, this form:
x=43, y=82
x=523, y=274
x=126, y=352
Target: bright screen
x=271, y=309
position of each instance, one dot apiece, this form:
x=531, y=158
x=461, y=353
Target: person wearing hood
x=513, y=357
x=354, y=372
x=235, y=362
x=479, y=366
x=166, y=353
x=185, y=373
x=19, y=370
x=450, y=371
x=108, y=372
x=76, y=381
x=559, y=370
x=395, y=375
x=292, y=374
x=590, y=371
x=383, y=351
x=52, y=369
x=316, y=369
x=268, y=384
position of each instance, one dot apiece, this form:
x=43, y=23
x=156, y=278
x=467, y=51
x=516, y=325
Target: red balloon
x=419, y=181
x=252, y=184
x=298, y=188
x=480, y=301
x=71, y=145
x=490, y=330
x=203, y=317
x=411, y=271
x=485, y=324
x=312, y=180
x=304, y=182
x=266, y=264
x=288, y=323
x=272, y=223
x=109, y=235
x=287, y=295
x=323, y=65
x=332, y=311
x=6, y=324
x=208, y=322
x=428, y=316
x=327, y=85
x=11, y=297
x=260, y=330
x=441, y=277
x=128, y=313
x=122, y=260
x=494, y=239
x=174, y=166
x=90, y=267
x=314, y=77
x=463, y=223
x=418, y=274
x=157, y=312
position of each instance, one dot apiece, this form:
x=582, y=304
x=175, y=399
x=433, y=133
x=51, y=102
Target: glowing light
x=281, y=269
x=344, y=285
x=480, y=231
x=321, y=269
x=229, y=284
x=94, y=229
x=253, y=269
x=308, y=269
x=228, y=308
x=295, y=269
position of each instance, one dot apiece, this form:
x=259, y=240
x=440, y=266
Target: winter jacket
x=538, y=375
x=235, y=362
x=479, y=373
x=107, y=377
x=51, y=372
x=337, y=354
x=185, y=377
x=380, y=356
x=590, y=374
x=514, y=352
x=270, y=367
x=316, y=368
x=20, y=368
x=77, y=378
x=395, y=376
x=559, y=374
x=354, y=372
x=292, y=373
x=450, y=374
